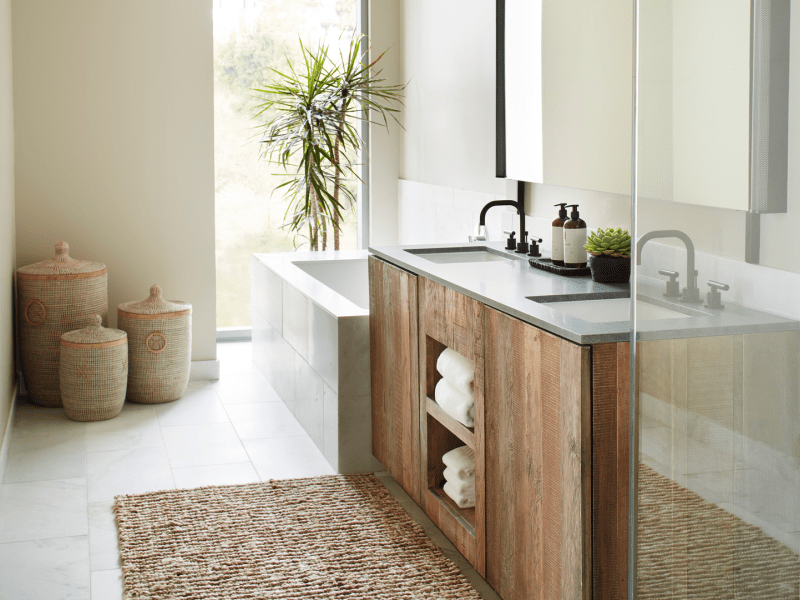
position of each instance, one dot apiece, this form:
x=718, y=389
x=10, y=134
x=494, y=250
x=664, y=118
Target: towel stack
x=460, y=476
x=454, y=392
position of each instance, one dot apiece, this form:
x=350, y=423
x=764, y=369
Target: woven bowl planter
x=55, y=296
x=93, y=372
x=160, y=347
x=610, y=269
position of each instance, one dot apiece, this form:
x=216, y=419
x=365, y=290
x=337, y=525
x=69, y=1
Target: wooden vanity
x=550, y=438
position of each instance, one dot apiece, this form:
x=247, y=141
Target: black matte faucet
x=691, y=293
x=519, y=204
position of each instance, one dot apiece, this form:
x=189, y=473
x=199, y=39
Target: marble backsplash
x=434, y=214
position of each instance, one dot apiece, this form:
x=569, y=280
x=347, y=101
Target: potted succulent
x=611, y=255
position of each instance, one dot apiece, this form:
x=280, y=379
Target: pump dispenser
x=574, y=240
x=557, y=253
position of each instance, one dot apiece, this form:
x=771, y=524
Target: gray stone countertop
x=506, y=285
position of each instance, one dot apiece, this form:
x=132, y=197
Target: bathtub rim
x=331, y=301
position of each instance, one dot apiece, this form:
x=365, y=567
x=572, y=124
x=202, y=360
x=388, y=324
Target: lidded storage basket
x=55, y=296
x=160, y=347
x=93, y=372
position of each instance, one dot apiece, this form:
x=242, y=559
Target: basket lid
x=62, y=265
x=155, y=305
x=94, y=333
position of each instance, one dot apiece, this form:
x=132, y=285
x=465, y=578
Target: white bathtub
x=311, y=340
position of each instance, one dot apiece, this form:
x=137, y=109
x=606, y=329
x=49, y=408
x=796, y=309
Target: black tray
x=546, y=264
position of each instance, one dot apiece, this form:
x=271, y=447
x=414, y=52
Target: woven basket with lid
x=160, y=347
x=93, y=371
x=55, y=296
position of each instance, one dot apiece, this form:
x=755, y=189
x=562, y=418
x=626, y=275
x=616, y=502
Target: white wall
x=7, y=229
x=449, y=51
x=778, y=232
x=449, y=142
x=449, y=62
x=115, y=148
x=385, y=28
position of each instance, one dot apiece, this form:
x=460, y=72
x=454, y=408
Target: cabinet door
x=394, y=363
x=538, y=462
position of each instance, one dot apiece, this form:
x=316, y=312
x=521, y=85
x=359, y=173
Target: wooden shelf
x=465, y=516
x=465, y=434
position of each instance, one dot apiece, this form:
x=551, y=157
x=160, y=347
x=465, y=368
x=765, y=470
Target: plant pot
x=610, y=269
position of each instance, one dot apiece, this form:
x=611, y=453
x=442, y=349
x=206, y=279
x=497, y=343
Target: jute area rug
x=689, y=549
x=341, y=536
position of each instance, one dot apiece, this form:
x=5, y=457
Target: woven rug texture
x=691, y=549
x=340, y=536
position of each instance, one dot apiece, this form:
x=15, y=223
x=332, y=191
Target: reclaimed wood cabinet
x=394, y=373
x=550, y=438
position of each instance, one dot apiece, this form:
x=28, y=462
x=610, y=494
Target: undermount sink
x=460, y=255
x=609, y=310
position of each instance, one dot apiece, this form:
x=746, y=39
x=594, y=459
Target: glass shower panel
x=717, y=403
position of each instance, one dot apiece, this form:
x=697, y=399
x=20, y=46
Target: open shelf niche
x=444, y=434
x=449, y=319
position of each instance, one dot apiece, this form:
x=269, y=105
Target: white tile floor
x=58, y=539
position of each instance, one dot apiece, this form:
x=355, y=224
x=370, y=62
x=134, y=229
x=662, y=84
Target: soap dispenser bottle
x=574, y=240
x=557, y=252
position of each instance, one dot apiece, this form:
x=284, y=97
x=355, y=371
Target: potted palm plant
x=611, y=255
x=312, y=112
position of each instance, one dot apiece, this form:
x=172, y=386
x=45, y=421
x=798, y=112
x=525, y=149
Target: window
x=250, y=37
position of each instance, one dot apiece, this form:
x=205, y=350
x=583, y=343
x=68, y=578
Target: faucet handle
x=713, y=297
x=716, y=285
x=534, y=247
x=511, y=244
x=673, y=285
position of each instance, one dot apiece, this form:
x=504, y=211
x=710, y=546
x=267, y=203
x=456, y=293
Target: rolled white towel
x=457, y=369
x=461, y=460
x=459, y=478
x=459, y=406
x=463, y=500
x=467, y=490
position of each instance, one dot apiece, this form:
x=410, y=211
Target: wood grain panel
x=450, y=319
x=394, y=363
x=538, y=462
x=453, y=319
x=524, y=411
x=550, y=364
x=433, y=318
x=623, y=456
x=610, y=455
x=462, y=539
x=508, y=538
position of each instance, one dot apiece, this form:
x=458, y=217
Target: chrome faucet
x=691, y=293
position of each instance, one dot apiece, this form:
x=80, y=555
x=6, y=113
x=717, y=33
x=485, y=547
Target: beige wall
x=7, y=236
x=449, y=50
x=115, y=148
